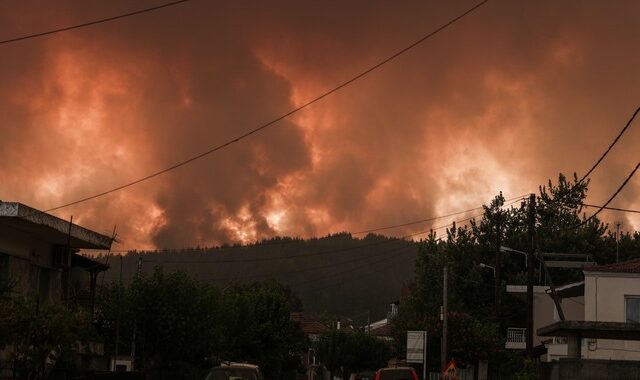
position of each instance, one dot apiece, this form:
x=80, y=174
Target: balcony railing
x=516, y=338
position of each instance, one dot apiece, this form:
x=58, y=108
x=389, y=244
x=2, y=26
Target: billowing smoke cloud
x=502, y=101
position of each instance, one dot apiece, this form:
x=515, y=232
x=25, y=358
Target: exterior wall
x=543, y=313
x=29, y=264
x=605, y=301
x=544, y=309
x=575, y=369
x=573, y=311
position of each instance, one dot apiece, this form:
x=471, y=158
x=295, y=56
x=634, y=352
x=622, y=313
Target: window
x=632, y=307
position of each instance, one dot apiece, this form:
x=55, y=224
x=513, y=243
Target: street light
x=483, y=265
x=508, y=250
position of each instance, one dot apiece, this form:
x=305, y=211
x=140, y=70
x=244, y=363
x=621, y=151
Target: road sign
x=416, y=346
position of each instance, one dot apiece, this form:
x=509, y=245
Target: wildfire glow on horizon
x=503, y=100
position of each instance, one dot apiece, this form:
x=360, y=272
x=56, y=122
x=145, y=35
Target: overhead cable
x=612, y=197
x=85, y=24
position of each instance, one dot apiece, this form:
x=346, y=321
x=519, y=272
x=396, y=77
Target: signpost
x=417, y=349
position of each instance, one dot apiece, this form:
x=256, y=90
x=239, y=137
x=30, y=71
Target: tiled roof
x=384, y=330
x=631, y=266
x=308, y=324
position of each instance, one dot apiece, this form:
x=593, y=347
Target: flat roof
x=49, y=227
x=593, y=329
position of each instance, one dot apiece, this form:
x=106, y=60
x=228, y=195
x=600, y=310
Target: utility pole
x=530, y=272
x=444, y=349
x=497, y=277
x=135, y=325
x=118, y=320
x=617, y=241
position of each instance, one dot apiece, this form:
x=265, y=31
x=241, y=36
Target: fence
x=463, y=374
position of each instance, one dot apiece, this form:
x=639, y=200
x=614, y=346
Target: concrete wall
x=605, y=301
x=575, y=369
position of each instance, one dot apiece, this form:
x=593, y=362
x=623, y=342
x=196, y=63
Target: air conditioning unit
x=61, y=256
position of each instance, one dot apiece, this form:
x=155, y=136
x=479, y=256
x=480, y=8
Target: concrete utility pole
x=530, y=273
x=444, y=347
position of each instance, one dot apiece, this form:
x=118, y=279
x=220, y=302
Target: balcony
x=516, y=338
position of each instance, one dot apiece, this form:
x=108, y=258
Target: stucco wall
x=605, y=301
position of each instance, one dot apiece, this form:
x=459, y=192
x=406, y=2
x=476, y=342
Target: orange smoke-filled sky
x=502, y=101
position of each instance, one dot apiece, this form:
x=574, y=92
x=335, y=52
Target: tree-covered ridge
x=338, y=274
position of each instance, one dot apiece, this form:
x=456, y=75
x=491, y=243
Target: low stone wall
x=590, y=369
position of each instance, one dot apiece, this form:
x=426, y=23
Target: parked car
x=396, y=373
x=235, y=371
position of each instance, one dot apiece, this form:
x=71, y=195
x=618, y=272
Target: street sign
x=416, y=346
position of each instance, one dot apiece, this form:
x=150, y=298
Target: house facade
x=39, y=258
x=545, y=313
x=38, y=255
x=612, y=294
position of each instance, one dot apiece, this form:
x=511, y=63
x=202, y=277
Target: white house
x=612, y=294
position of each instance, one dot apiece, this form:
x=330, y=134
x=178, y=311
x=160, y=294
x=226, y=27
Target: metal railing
x=516, y=335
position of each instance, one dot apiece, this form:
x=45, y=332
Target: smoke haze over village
x=503, y=101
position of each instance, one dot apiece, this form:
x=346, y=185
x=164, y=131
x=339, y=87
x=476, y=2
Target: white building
x=612, y=294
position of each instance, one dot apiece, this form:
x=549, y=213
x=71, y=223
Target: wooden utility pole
x=530, y=273
x=444, y=347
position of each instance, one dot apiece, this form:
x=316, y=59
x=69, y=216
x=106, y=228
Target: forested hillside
x=337, y=274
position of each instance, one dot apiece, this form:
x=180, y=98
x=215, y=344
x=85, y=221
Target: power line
x=279, y=118
x=612, y=197
x=597, y=163
x=611, y=208
x=285, y=257
x=301, y=241
x=430, y=219
x=100, y=21
x=610, y=146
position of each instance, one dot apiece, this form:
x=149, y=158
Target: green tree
x=345, y=352
x=37, y=333
x=181, y=325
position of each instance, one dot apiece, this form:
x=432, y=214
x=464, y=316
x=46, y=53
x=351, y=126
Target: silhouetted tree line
x=475, y=332
x=338, y=274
